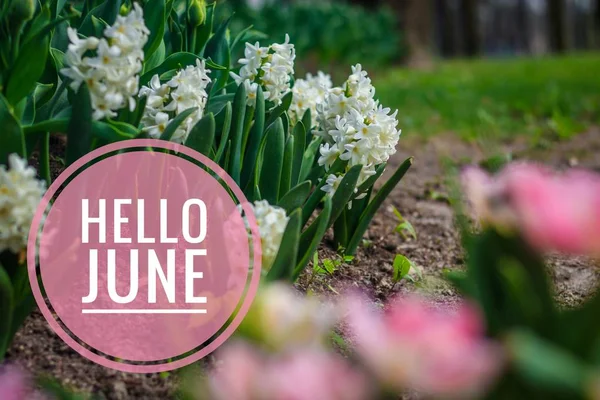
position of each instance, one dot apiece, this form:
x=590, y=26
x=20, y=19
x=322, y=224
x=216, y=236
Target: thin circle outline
x=32, y=267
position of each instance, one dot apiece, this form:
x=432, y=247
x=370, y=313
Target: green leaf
x=344, y=192
x=307, y=122
x=6, y=311
x=37, y=24
x=157, y=58
x=247, y=35
x=286, y=124
x=239, y=37
x=372, y=208
x=216, y=103
x=79, y=133
x=23, y=299
x=214, y=66
x=295, y=198
x=203, y=32
x=352, y=216
x=42, y=94
x=544, y=365
x=154, y=18
x=280, y=109
x=106, y=11
x=510, y=283
x=318, y=194
x=124, y=127
x=172, y=63
x=311, y=238
x=340, y=230
x=299, y=135
x=60, y=4
x=272, y=155
x=254, y=139
x=108, y=133
x=237, y=128
x=401, y=266
x=213, y=47
x=59, y=102
x=202, y=135
x=60, y=39
x=227, y=153
x=136, y=116
x=176, y=32
x=28, y=68
x=175, y=123
x=217, y=49
x=28, y=116
x=283, y=266
x=99, y=26
x=225, y=132
x=44, y=26
x=406, y=227
x=100, y=130
x=330, y=266
x=286, y=172
x=12, y=139
x=368, y=184
x=248, y=121
x=44, y=167
x=308, y=159
x=56, y=391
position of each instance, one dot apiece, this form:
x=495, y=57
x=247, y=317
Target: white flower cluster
x=308, y=93
x=112, y=73
x=185, y=90
x=20, y=194
x=271, y=222
x=355, y=128
x=270, y=67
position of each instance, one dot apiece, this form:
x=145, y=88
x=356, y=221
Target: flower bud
x=21, y=10
x=197, y=12
x=124, y=10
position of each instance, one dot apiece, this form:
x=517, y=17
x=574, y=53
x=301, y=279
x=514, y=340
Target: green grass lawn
x=558, y=96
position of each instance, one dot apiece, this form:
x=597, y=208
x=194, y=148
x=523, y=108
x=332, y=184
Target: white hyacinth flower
x=308, y=94
x=270, y=67
x=283, y=319
x=112, y=72
x=187, y=89
x=355, y=128
x=332, y=183
x=20, y=194
x=271, y=221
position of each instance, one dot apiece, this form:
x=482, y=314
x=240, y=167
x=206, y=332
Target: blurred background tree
x=329, y=32
x=493, y=68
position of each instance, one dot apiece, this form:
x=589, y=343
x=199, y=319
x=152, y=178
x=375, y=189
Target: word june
x=154, y=268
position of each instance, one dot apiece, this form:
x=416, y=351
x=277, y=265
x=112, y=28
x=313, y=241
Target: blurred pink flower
x=411, y=345
x=246, y=374
x=554, y=212
x=14, y=384
x=238, y=373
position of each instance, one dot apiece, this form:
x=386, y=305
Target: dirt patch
x=421, y=198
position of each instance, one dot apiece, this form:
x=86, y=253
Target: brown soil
x=422, y=200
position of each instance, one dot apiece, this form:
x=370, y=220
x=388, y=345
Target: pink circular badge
x=140, y=258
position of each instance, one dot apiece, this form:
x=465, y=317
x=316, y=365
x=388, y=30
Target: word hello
x=155, y=269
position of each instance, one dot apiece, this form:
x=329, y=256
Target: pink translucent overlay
x=187, y=311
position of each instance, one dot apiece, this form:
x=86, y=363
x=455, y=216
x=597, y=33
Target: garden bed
x=421, y=199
